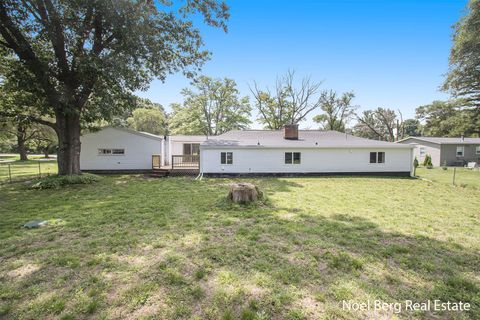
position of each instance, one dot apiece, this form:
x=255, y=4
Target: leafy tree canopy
x=380, y=124
x=152, y=120
x=463, y=79
x=85, y=58
x=337, y=110
x=448, y=119
x=212, y=107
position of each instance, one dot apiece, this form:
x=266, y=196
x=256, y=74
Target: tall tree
x=148, y=120
x=463, y=79
x=448, y=119
x=381, y=124
x=337, y=110
x=16, y=108
x=290, y=103
x=412, y=128
x=85, y=57
x=213, y=107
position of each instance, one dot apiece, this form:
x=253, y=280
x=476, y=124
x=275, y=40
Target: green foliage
x=148, y=120
x=448, y=119
x=338, y=110
x=412, y=128
x=427, y=162
x=56, y=182
x=462, y=78
x=213, y=107
x=378, y=124
x=81, y=60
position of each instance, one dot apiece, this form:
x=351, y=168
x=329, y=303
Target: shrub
x=56, y=182
x=415, y=166
x=428, y=161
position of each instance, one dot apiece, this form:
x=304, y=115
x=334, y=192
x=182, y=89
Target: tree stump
x=243, y=193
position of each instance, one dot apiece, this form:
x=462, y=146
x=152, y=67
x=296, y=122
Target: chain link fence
x=17, y=171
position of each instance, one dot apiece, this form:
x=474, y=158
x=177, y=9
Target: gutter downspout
x=162, y=150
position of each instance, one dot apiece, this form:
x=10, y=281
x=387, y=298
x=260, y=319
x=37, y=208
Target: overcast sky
x=392, y=54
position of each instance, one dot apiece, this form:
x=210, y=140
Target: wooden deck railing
x=186, y=161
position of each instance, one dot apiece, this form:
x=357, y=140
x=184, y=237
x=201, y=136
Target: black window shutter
x=373, y=157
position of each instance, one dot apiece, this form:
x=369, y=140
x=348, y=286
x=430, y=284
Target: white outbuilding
x=120, y=149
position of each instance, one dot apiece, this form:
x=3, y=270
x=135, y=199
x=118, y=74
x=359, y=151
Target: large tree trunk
x=68, y=133
x=46, y=152
x=21, y=136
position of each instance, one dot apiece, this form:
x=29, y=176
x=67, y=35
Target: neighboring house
x=293, y=151
x=112, y=149
x=449, y=151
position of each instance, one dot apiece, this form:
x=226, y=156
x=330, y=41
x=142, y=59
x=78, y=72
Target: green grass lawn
x=21, y=170
x=463, y=177
x=133, y=248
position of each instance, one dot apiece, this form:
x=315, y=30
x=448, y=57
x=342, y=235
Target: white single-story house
x=242, y=152
x=293, y=151
x=120, y=149
x=445, y=151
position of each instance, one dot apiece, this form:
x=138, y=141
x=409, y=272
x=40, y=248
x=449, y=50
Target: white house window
x=460, y=151
x=377, y=157
x=109, y=152
x=422, y=151
x=226, y=157
x=292, y=157
x=477, y=149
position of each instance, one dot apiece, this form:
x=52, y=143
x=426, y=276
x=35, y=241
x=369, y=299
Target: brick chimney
x=291, y=132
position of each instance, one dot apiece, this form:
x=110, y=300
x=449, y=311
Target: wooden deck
x=183, y=165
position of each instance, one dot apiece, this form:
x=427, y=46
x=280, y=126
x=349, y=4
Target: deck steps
x=159, y=173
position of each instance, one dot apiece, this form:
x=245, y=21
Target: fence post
x=9, y=173
x=39, y=171
x=454, y=173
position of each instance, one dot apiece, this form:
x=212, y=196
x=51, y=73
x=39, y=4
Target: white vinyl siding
x=137, y=150
x=272, y=160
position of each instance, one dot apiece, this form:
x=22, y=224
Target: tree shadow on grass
x=182, y=255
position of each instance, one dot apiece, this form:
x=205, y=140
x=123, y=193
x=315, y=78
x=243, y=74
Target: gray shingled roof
x=439, y=140
x=306, y=139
